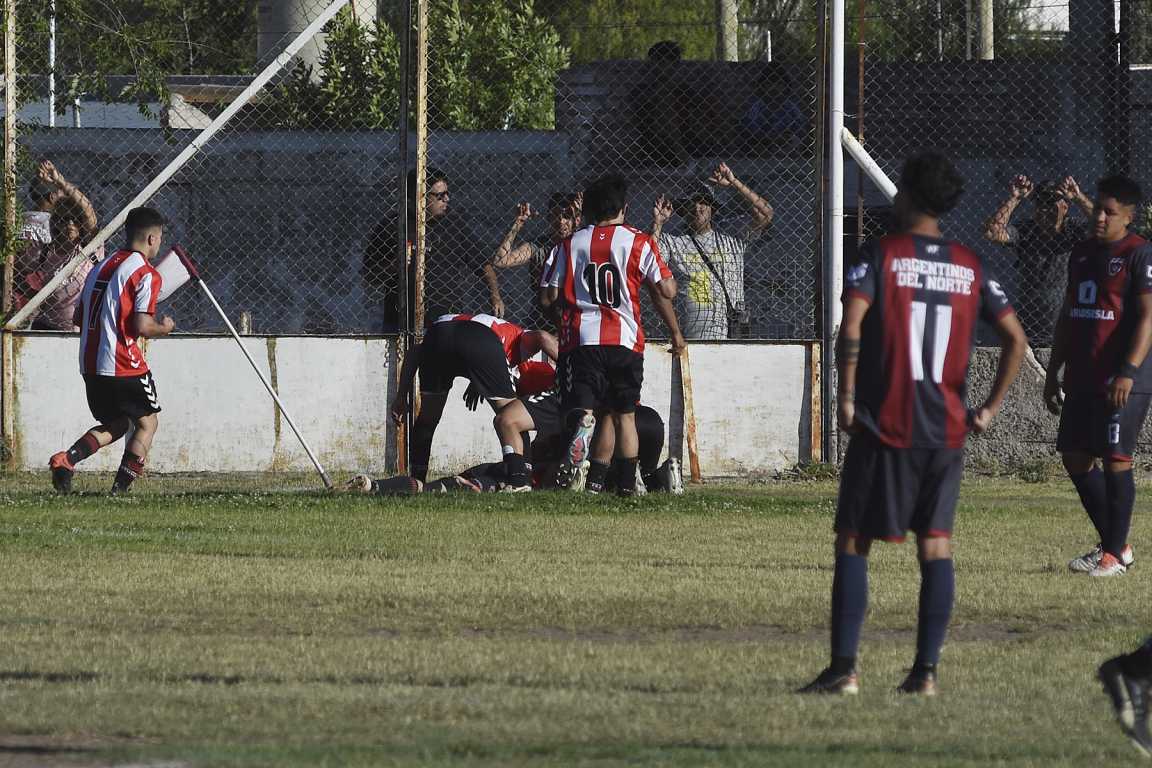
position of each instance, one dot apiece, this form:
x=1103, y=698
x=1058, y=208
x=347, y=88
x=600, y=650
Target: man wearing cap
x=709, y=264
x=1042, y=246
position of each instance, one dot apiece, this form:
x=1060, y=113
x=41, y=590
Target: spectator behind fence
x=709, y=265
x=453, y=259
x=563, y=219
x=1042, y=245
x=63, y=223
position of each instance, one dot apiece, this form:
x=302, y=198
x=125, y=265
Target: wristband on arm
x=1127, y=370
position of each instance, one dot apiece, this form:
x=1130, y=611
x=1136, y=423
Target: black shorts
x=112, y=398
x=600, y=378
x=469, y=350
x=1088, y=424
x=886, y=492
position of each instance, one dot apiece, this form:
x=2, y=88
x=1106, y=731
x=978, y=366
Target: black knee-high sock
x=515, y=467
x=83, y=448
x=131, y=467
x=849, y=604
x=1121, y=498
x=1094, y=497
x=421, y=450
x=597, y=476
x=937, y=591
x=625, y=471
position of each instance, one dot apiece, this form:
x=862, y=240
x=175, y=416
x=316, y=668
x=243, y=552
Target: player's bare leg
x=600, y=455
x=63, y=464
x=423, y=429
x=937, y=593
x=511, y=421
x=627, y=453
x=849, y=604
x=135, y=452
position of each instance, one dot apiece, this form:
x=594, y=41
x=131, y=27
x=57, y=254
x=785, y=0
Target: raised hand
x=523, y=213
x=661, y=211
x=48, y=172
x=1020, y=187
x=722, y=176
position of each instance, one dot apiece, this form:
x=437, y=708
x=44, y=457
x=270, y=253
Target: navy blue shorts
x=886, y=492
x=1088, y=424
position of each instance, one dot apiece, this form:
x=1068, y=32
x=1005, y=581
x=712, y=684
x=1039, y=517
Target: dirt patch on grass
x=69, y=751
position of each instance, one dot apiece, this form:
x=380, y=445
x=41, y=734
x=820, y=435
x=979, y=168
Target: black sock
x=1121, y=498
x=131, y=467
x=1094, y=498
x=597, y=476
x=625, y=471
x=516, y=469
x=937, y=591
x=83, y=448
x=849, y=604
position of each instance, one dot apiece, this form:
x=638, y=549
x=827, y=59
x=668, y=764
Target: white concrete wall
x=751, y=406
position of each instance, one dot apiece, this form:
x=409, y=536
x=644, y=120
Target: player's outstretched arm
x=1123, y=379
x=539, y=341
x=847, y=358
x=508, y=256
x=667, y=312
x=147, y=326
x=402, y=403
x=1013, y=344
x=996, y=228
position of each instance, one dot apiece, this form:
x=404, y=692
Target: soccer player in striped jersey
x=481, y=348
x=1103, y=335
x=117, y=308
x=594, y=277
x=911, y=304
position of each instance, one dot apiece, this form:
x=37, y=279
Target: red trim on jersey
x=896, y=416
x=959, y=350
x=125, y=308
x=570, y=317
x=634, y=278
x=536, y=376
x=600, y=252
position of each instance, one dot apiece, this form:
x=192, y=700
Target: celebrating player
x=477, y=347
x=1102, y=339
x=594, y=276
x=117, y=307
x=911, y=305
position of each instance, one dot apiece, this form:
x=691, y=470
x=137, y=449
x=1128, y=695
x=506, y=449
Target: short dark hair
x=605, y=197
x=931, y=183
x=1121, y=188
x=140, y=220
x=665, y=51
x=432, y=175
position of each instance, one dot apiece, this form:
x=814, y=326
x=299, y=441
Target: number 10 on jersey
x=603, y=284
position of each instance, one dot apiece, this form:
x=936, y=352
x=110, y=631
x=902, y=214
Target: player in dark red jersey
x=594, y=276
x=117, y=308
x=911, y=305
x=1102, y=339
x=480, y=348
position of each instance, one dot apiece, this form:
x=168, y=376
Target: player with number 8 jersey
x=594, y=277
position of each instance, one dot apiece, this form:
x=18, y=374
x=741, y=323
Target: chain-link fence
x=295, y=209
x=1034, y=100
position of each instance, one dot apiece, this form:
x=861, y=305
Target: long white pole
x=834, y=261
x=52, y=64
x=266, y=383
x=179, y=161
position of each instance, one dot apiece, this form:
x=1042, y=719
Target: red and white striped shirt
x=117, y=288
x=598, y=271
x=509, y=333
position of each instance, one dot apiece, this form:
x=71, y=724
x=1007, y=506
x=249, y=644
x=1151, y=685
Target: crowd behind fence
x=295, y=210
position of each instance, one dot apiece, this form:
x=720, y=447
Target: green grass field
x=193, y=625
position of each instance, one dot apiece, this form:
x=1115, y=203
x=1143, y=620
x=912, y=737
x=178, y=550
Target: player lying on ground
x=594, y=278
x=480, y=348
x=1102, y=338
x=539, y=411
x=911, y=304
x=116, y=309
x=1128, y=681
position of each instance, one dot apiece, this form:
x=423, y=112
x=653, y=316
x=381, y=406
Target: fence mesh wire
x=292, y=210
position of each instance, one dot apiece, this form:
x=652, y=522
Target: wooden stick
x=690, y=418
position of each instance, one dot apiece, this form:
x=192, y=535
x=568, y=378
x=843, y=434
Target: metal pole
x=266, y=383
x=9, y=150
x=52, y=63
x=834, y=247
x=968, y=30
x=727, y=30
x=421, y=157
x=179, y=161
x=403, y=236
x=987, y=31
x=818, y=395
x=861, y=31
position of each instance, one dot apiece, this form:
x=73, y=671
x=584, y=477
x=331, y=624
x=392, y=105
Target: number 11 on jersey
x=943, y=330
